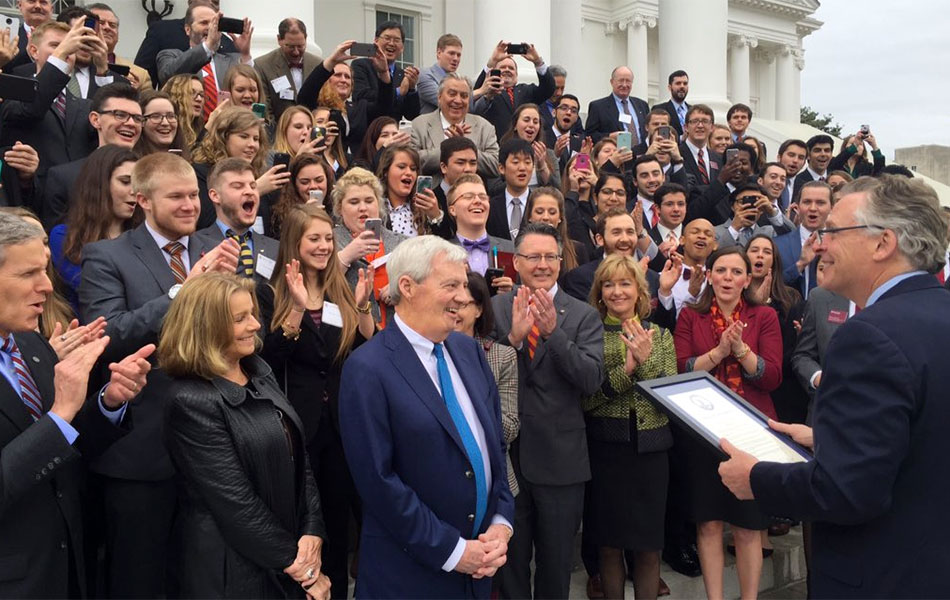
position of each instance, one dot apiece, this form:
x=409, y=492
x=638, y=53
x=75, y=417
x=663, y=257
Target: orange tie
x=511, y=97
x=533, y=336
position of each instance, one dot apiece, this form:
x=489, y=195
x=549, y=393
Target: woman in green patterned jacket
x=627, y=436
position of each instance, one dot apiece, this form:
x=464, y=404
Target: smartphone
x=518, y=48
x=259, y=109
x=424, y=182
x=228, y=25
x=490, y=276
x=91, y=23
x=11, y=23
x=318, y=132
x=363, y=50
x=731, y=154
x=315, y=196
x=376, y=226
x=577, y=140
x=750, y=201
x=582, y=162
x=494, y=73
x=282, y=158
x=122, y=70
x=865, y=129
x=14, y=87
x=664, y=131
x=625, y=140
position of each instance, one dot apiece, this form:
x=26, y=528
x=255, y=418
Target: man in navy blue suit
x=421, y=425
x=795, y=247
x=876, y=489
x=619, y=111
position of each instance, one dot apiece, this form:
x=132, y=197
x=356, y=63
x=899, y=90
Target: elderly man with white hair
x=420, y=420
x=876, y=489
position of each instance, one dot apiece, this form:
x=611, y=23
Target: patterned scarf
x=729, y=370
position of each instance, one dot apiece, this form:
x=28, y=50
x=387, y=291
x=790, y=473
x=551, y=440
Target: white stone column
x=787, y=86
x=765, y=64
x=515, y=21
x=739, y=48
x=703, y=25
x=637, y=51
x=568, y=47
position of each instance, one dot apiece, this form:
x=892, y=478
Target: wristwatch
x=437, y=220
x=173, y=290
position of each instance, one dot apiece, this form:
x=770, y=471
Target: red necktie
x=29, y=394
x=533, y=336
x=511, y=96
x=211, y=91
x=701, y=163
x=941, y=276
x=654, y=216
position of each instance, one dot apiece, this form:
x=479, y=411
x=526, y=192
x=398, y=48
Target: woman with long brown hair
x=382, y=133
x=293, y=133
x=187, y=95
x=526, y=124
x=408, y=213
x=546, y=204
x=101, y=207
x=313, y=321
x=311, y=180
x=161, y=131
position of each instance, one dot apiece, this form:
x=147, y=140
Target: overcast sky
x=883, y=63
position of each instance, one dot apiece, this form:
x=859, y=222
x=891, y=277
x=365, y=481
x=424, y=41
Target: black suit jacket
x=360, y=112
x=169, y=34
x=366, y=87
x=674, y=118
x=603, y=117
x=713, y=164
x=497, y=224
x=801, y=179
x=499, y=110
x=447, y=230
x=873, y=491
x=40, y=511
x=57, y=190
x=56, y=140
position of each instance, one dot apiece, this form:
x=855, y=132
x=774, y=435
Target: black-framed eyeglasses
x=821, y=233
x=568, y=109
x=156, y=118
x=121, y=116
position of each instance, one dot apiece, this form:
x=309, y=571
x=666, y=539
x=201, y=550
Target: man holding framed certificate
x=875, y=489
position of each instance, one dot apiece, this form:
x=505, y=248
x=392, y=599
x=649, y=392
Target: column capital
x=637, y=20
x=740, y=40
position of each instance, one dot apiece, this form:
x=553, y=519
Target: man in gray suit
x=201, y=25
x=233, y=192
x=453, y=119
x=131, y=281
x=749, y=203
x=284, y=69
x=825, y=312
x=560, y=347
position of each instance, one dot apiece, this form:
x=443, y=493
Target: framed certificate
x=707, y=407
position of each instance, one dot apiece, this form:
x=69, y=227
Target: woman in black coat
x=249, y=523
x=313, y=321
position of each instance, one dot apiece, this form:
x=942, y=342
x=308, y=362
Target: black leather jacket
x=246, y=491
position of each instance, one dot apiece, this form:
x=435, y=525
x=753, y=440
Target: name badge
x=837, y=316
x=331, y=314
x=265, y=266
x=280, y=83
x=286, y=94
x=626, y=119
x=382, y=260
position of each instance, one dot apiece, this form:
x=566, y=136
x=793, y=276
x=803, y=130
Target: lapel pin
x=36, y=359
x=560, y=312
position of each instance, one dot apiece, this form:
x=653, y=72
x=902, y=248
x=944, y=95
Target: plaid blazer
x=503, y=362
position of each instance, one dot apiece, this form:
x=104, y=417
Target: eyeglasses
x=391, y=38
x=700, y=122
x=534, y=259
x=121, y=116
x=568, y=109
x=198, y=94
x=612, y=192
x=821, y=233
x=156, y=118
x=471, y=196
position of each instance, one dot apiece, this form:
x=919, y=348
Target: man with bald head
x=619, y=111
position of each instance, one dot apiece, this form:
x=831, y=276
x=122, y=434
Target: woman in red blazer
x=728, y=333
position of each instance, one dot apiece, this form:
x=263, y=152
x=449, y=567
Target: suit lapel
x=36, y=361
x=474, y=386
x=151, y=256
x=404, y=359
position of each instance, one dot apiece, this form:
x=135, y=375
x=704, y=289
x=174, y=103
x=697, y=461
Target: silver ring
x=310, y=573
x=62, y=338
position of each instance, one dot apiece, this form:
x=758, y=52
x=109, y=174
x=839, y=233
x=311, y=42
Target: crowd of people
x=256, y=308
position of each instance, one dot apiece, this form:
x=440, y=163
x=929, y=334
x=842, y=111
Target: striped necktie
x=29, y=394
x=246, y=257
x=701, y=164
x=210, y=89
x=533, y=337
x=174, y=250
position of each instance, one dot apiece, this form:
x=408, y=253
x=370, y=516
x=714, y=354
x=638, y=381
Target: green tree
x=823, y=122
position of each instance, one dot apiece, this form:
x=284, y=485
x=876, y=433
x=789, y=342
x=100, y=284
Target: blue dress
x=68, y=271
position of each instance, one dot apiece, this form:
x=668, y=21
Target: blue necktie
x=784, y=199
x=468, y=438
